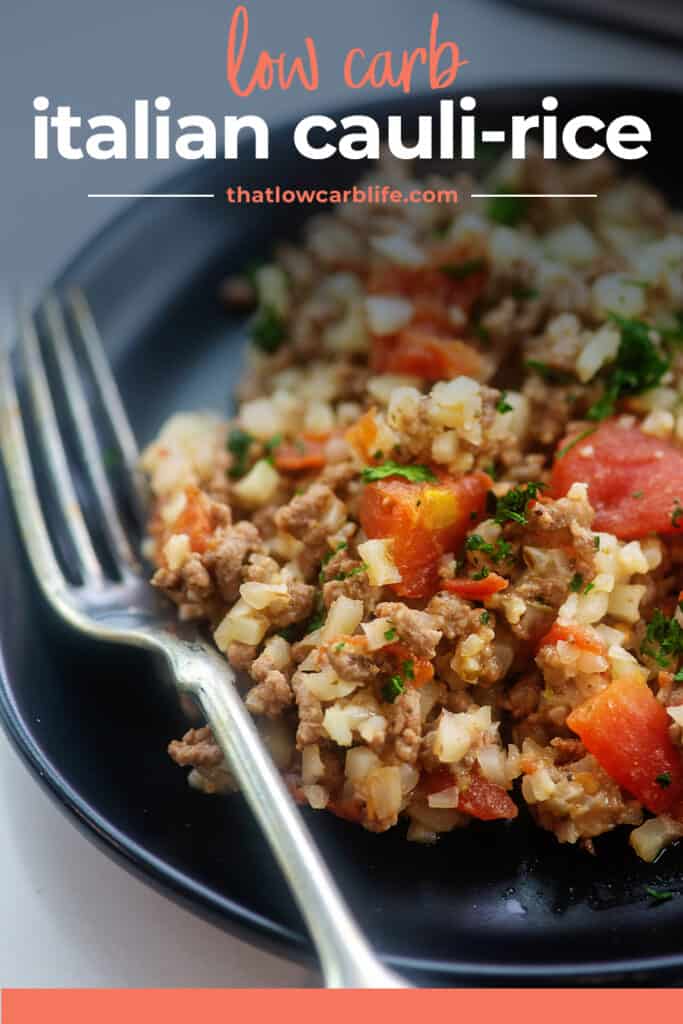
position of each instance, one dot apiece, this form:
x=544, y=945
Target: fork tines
x=65, y=367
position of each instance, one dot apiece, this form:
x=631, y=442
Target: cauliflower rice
x=443, y=534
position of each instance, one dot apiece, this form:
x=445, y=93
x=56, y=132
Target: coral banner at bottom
x=177, y=1006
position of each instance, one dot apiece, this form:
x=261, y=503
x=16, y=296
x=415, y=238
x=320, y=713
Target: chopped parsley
x=315, y=622
x=477, y=543
x=525, y=293
x=111, y=458
x=638, y=366
x=673, y=335
x=352, y=572
x=678, y=678
x=485, y=618
x=393, y=689
x=503, y=404
x=239, y=442
x=589, y=586
x=491, y=471
x=638, y=495
x=390, y=634
x=576, y=583
x=327, y=557
x=272, y=445
x=482, y=574
x=481, y=332
x=507, y=209
x=408, y=669
x=677, y=515
x=416, y=474
x=397, y=683
x=462, y=270
x=512, y=506
x=663, y=639
x=378, y=455
x=663, y=780
x=268, y=329
x=658, y=895
x=580, y=437
x=550, y=374
x=502, y=549
x=596, y=542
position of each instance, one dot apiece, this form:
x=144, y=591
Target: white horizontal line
x=534, y=195
x=151, y=195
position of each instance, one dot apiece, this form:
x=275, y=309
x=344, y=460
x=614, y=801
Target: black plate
x=496, y=904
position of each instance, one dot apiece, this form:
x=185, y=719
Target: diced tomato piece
x=424, y=520
x=582, y=638
x=627, y=730
x=432, y=289
x=301, y=456
x=436, y=781
x=350, y=809
x=418, y=352
x=477, y=590
x=422, y=668
x=486, y=801
x=480, y=798
x=194, y=520
x=635, y=482
x=362, y=435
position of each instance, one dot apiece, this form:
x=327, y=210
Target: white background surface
x=70, y=917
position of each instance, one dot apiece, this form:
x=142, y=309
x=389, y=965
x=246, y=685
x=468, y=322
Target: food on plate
x=442, y=536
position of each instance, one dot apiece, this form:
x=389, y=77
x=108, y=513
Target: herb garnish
x=551, y=374
x=458, y=271
x=580, y=437
x=326, y=558
x=507, y=209
x=502, y=549
x=316, y=621
x=397, y=683
x=111, y=458
x=268, y=329
x=576, y=583
x=484, y=618
x=638, y=366
x=663, y=779
x=352, y=572
x=416, y=474
x=272, y=445
x=658, y=895
x=512, y=506
x=663, y=639
x=503, y=404
x=390, y=634
x=239, y=442
x=677, y=515
x=393, y=689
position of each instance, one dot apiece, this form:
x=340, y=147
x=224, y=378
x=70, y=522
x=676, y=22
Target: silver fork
x=127, y=610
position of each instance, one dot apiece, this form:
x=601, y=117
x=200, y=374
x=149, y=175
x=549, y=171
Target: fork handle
x=346, y=959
